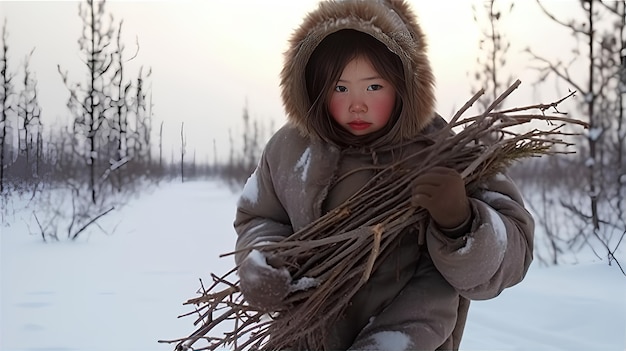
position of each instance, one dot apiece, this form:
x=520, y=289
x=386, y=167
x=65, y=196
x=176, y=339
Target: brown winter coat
x=419, y=296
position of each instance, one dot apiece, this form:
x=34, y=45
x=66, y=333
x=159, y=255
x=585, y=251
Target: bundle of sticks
x=340, y=250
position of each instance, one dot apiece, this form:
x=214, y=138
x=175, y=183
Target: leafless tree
x=596, y=71
x=489, y=73
x=161, y=149
x=142, y=109
x=183, y=145
x=29, y=112
x=244, y=153
x=91, y=103
x=119, y=126
x=251, y=142
x=5, y=101
x=98, y=137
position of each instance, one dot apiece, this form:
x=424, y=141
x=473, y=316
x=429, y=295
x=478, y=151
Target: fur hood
x=391, y=22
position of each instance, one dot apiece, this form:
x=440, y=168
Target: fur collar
x=389, y=21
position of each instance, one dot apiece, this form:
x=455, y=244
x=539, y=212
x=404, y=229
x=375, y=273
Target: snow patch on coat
x=498, y=225
x=250, y=190
x=391, y=341
x=303, y=164
x=258, y=259
x=468, y=246
x=501, y=177
x=492, y=196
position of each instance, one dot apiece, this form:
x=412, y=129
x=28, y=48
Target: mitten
x=262, y=285
x=441, y=191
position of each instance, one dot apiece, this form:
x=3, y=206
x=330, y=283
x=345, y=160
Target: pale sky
x=210, y=57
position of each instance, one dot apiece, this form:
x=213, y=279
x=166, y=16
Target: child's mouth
x=359, y=125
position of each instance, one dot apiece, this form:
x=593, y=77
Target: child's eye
x=374, y=87
x=341, y=89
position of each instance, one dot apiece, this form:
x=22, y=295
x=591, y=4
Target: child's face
x=362, y=101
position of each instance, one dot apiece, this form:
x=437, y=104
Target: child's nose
x=358, y=106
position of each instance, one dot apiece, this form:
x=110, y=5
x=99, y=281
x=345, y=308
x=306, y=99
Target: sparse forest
x=111, y=150
x=107, y=152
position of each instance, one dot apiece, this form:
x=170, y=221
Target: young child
x=357, y=87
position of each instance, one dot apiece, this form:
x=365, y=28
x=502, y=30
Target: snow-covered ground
x=124, y=291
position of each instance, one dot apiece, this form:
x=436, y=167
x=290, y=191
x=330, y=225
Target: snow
x=303, y=164
x=123, y=291
x=467, y=247
x=595, y=133
x=501, y=177
x=579, y=307
x=498, y=227
x=251, y=189
x=304, y=283
x=492, y=196
x=391, y=341
x=258, y=259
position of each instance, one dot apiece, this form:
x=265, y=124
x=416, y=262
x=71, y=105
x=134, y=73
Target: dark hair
x=324, y=69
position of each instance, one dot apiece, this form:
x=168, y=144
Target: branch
x=114, y=166
x=43, y=233
x=554, y=69
x=613, y=9
x=93, y=220
x=542, y=107
x=556, y=20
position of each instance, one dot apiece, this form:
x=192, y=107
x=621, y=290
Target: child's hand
x=441, y=191
x=263, y=286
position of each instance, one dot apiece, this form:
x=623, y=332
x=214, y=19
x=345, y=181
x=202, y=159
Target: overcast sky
x=211, y=57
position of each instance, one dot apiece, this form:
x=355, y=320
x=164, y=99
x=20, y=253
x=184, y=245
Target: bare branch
x=93, y=220
x=570, y=25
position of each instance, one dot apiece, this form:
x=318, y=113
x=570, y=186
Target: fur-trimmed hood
x=391, y=22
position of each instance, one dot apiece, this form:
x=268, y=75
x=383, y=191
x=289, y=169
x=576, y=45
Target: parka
x=418, y=297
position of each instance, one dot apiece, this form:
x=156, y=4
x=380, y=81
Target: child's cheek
x=382, y=108
x=336, y=108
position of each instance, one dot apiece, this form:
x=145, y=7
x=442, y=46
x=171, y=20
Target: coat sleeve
x=260, y=216
x=497, y=251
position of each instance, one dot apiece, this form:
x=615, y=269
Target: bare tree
x=244, y=153
x=183, y=145
x=142, y=110
x=494, y=47
x=613, y=57
x=29, y=111
x=119, y=125
x=91, y=103
x=215, y=162
x=97, y=137
x=251, y=143
x=7, y=91
x=596, y=72
x=161, y=148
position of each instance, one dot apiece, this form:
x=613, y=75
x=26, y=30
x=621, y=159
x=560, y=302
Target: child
x=358, y=89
